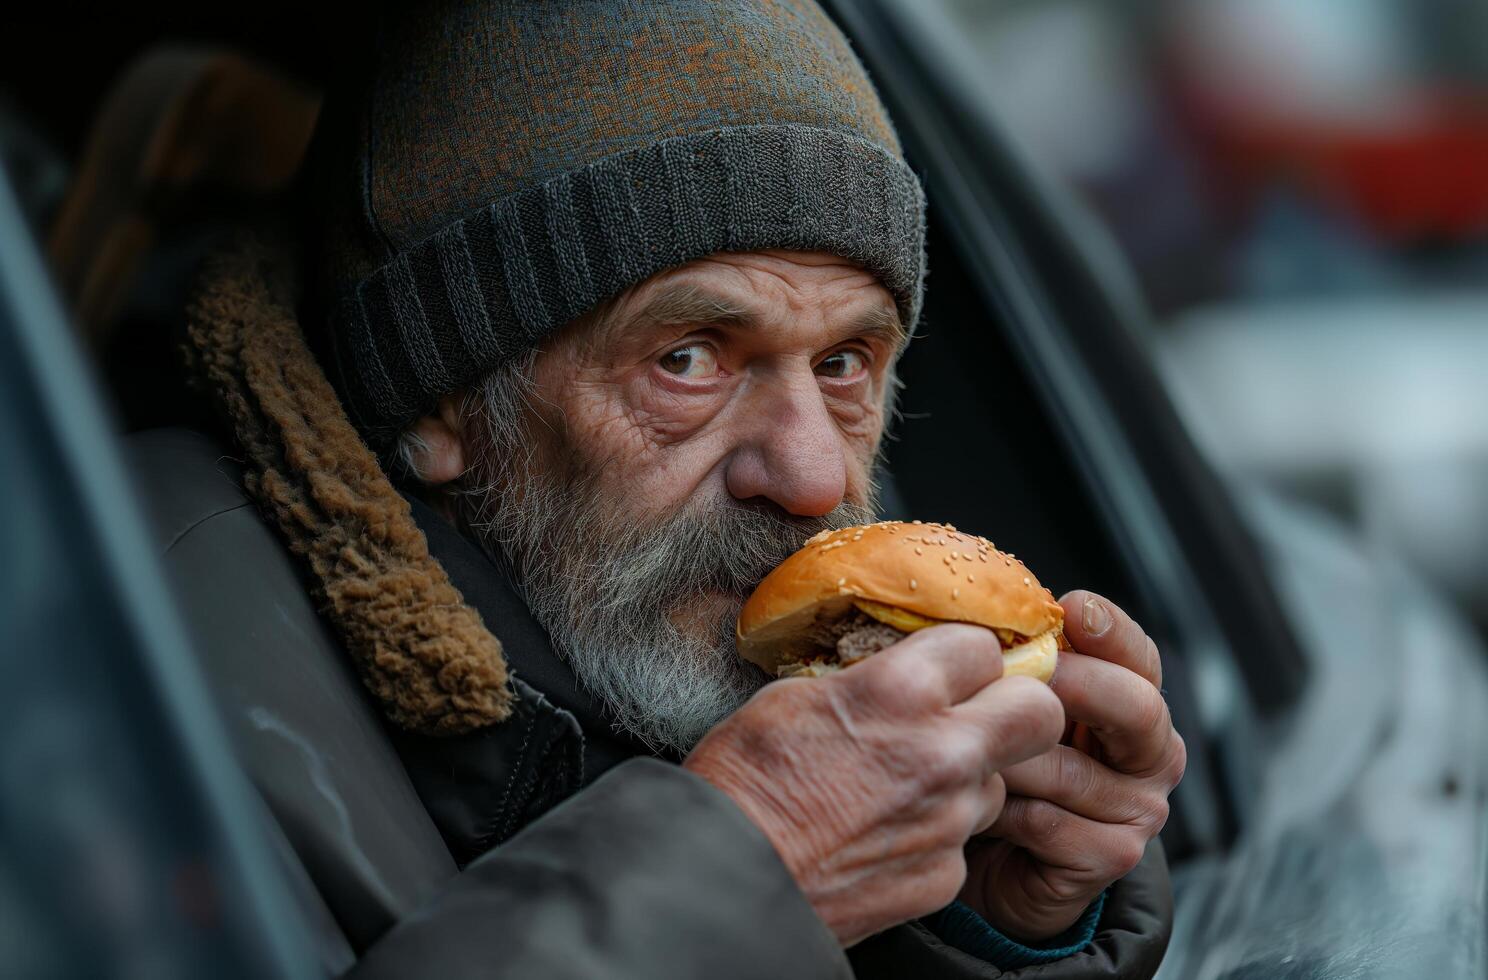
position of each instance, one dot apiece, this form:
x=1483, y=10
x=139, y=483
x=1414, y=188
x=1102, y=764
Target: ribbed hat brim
x=495, y=283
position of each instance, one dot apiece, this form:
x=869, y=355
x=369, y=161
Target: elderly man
x=617, y=290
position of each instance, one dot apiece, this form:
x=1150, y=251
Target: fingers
x=1127, y=714
x=1016, y=719
x=931, y=668
x=992, y=798
x=1004, y=723
x=1097, y=627
x=1073, y=780
x=1061, y=839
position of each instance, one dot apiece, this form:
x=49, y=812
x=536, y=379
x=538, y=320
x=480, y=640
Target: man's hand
x=1079, y=816
x=870, y=782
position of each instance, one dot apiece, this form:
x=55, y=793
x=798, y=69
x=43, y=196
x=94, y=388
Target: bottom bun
x=1037, y=658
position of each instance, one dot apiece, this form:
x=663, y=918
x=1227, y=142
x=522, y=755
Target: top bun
x=932, y=570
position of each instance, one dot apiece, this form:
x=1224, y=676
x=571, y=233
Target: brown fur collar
x=420, y=649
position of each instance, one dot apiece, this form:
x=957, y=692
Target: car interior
x=168, y=145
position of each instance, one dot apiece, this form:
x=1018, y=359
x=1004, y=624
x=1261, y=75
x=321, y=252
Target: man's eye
x=696, y=361
x=842, y=364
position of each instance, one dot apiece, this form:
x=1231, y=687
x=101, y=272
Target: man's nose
x=791, y=452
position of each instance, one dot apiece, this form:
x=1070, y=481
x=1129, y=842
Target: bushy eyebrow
x=690, y=304
x=883, y=322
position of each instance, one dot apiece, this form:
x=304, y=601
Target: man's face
x=670, y=451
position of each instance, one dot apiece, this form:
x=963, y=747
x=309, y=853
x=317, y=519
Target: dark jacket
x=519, y=836
x=645, y=870
x=565, y=851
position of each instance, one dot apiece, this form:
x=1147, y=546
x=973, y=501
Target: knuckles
x=1125, y=855
x=946, y=876
x=954, y=759
x=962, y=816
x=1155, y=814
x=903, y=681
x=1077, y=773
x=1171, y=763
x=914, y=677
x=974, y=638
x=1043, y=819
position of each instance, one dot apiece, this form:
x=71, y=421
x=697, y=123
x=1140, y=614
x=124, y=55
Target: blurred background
x=1301, y=190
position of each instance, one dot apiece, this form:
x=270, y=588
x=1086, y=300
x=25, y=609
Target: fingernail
x=1095, y=617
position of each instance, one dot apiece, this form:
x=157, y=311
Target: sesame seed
x=1027, y=581
x=955, y=593
x=913, y=584
x=919, y=551
x=841, y=582
x=971, y=578
x=955, y=554
x=914, y=522
x=982, y=557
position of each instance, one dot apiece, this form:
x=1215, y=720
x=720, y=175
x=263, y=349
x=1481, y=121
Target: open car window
x=117, y=784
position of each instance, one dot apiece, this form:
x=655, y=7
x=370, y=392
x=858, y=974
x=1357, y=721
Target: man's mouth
x=701, y=612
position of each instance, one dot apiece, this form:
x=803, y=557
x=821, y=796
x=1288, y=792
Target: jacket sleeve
x=1136, y=920
x=649, y=873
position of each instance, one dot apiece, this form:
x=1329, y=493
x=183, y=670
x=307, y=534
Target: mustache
x=630, y=598
x=716, y=547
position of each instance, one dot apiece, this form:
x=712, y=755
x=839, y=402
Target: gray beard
x=607, y=587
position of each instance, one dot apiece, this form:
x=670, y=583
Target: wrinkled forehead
x=751, y=291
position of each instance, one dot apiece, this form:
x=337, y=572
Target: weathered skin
x=871, y=782
x=871, y=796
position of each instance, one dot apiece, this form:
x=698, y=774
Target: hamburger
x=849, y=593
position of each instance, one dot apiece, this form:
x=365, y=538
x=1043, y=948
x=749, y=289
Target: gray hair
x=607, y=589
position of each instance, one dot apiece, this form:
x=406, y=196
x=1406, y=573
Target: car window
x=116, y=782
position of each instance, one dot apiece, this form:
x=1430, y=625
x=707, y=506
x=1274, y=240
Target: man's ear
x=437, y=451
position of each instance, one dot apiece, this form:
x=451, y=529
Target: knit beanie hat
x=510, y=164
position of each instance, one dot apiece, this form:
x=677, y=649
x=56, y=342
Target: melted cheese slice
x=907, y=622
x=901, y=619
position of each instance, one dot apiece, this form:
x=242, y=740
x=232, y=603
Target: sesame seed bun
x=909, y=576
